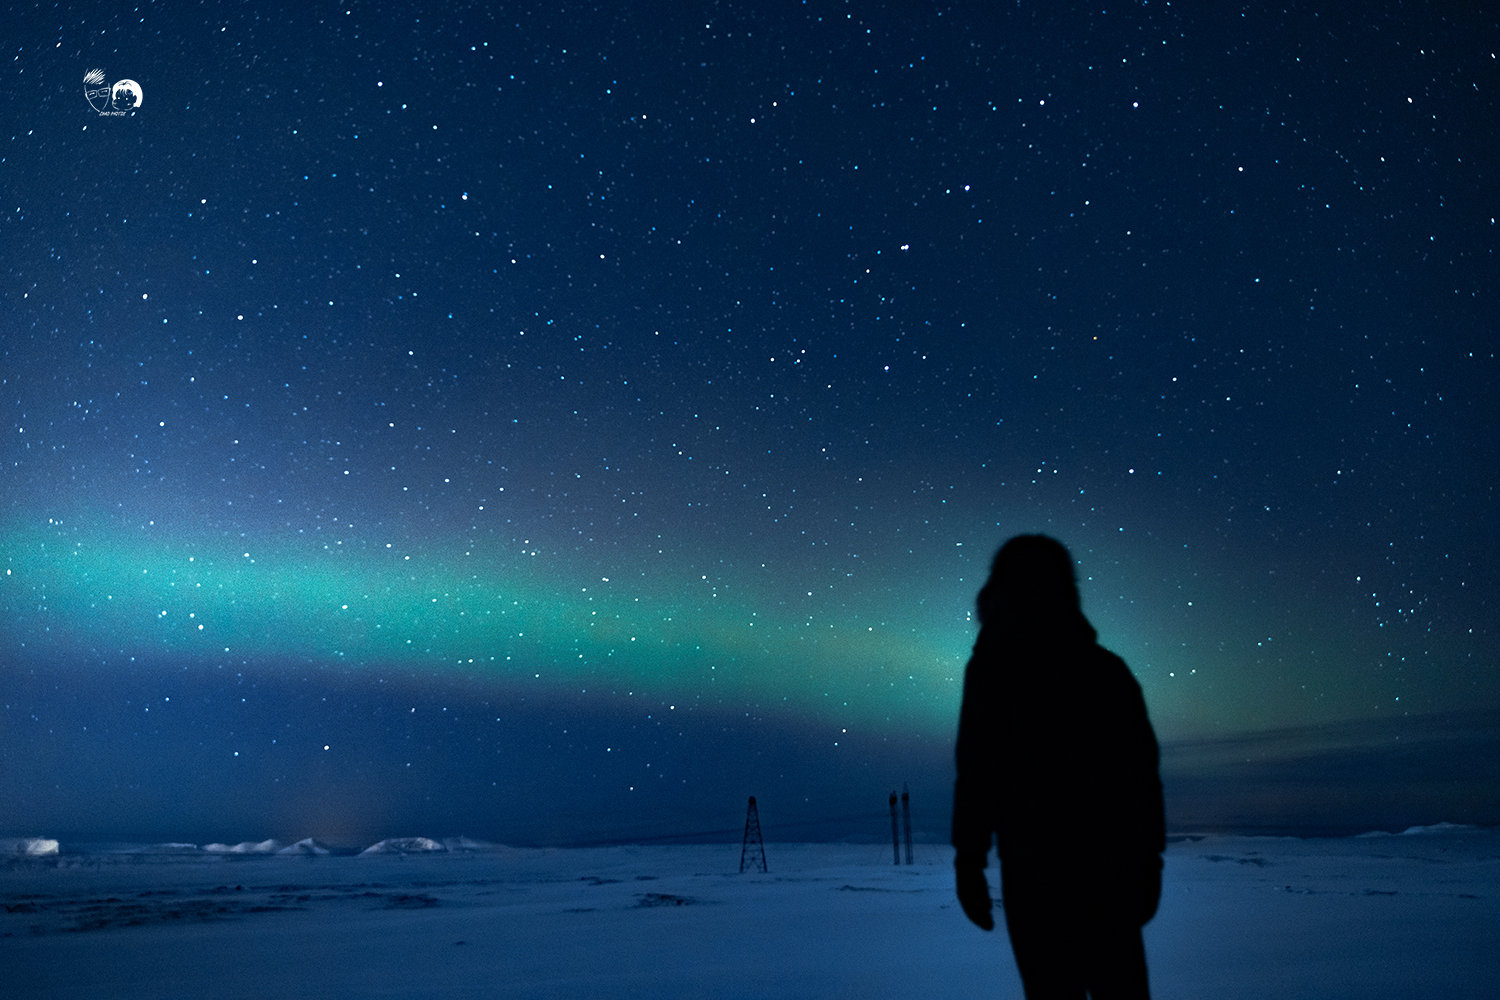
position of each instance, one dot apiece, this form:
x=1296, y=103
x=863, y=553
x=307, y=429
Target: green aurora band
x=516, y=619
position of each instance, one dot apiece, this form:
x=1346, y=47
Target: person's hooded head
x=1032, y=591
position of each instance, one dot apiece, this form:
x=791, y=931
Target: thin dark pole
x=895, y=834
x=906, y=819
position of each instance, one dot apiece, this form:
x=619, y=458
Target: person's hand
x=974, y=895
x=1149, y=888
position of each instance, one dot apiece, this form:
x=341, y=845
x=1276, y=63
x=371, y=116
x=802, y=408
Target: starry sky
x=555, y=424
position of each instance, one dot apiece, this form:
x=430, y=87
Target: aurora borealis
x=555, y=426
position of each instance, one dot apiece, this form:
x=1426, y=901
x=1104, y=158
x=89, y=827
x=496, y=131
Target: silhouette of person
x=1057, y=763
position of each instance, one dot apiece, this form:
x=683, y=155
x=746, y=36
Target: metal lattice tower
x=754, y=850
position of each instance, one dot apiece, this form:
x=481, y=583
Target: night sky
x=556, y=424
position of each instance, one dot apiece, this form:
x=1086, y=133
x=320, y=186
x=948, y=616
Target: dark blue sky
x=557, y=425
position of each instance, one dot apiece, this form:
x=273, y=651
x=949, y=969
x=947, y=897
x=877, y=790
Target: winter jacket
x=1057, y=762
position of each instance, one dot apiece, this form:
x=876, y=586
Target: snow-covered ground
x=1367, y=917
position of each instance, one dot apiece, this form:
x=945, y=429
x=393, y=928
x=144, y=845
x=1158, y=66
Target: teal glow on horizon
x=879, y=639
x=517, y=617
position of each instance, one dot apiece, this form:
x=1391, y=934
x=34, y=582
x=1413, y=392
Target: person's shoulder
x=1112, y=665
x=1109, y=656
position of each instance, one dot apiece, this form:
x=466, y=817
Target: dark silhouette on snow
x=1058, y=765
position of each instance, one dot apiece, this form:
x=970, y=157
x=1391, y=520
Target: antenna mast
x=906, y=819
x=895, y=834
x=753, y=852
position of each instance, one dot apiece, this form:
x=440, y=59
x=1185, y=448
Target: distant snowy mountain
x=405, y=845
x=169, y=849
x=245, y=847
x=43, y=847
x=306, y=845
x=1418, y=831
x=28, y=847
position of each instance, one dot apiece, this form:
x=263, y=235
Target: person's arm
x=1153, y=815
x=973, y=821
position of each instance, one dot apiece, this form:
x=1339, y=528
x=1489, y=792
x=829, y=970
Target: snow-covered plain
x=1366, y=917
